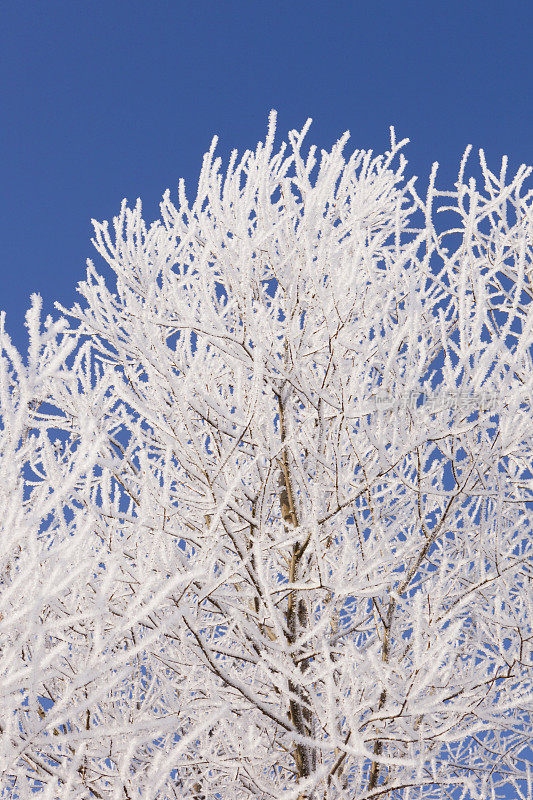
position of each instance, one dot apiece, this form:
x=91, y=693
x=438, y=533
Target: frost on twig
x=266, y=496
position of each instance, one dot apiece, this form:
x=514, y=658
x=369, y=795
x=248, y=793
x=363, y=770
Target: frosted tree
x=267, y=496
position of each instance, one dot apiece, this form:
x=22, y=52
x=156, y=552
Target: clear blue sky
x=105, y=100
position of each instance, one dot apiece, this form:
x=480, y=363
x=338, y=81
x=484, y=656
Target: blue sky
x=105, y=100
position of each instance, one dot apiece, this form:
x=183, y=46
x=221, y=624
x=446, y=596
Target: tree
x=267, y=501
